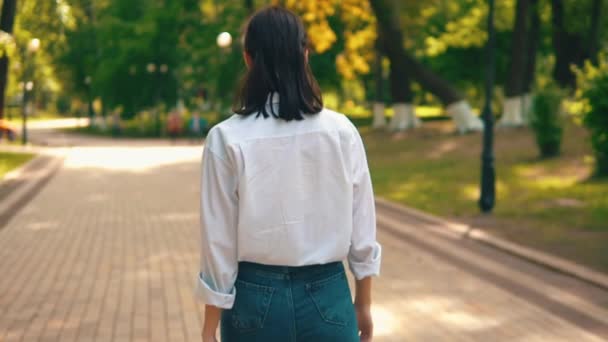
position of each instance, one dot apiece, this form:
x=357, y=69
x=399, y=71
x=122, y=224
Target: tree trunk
x=7, y=20
x=570, y=48
x=560, y=72
x=522, y=64
x=517, y=63
x=402, y=97
x=594, y=34
x=404, y=65
x=400, y=88
x=532, y=47
x=378, y=107
x=378, y=71
x=573, y=48
x=531, y=52
x=429, y=80
x=388, y=23
x=250, y=6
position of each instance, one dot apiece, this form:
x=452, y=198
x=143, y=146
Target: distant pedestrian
x=174, y=124
x=286, y=196
x=116, y=123
x=6, y=129
x=197, y=125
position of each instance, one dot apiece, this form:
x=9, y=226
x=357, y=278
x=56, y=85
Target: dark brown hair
x=276, y=41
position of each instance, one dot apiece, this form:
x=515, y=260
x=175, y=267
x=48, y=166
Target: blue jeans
x=289, y=304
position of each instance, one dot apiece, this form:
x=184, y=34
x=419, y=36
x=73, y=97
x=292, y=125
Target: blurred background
x=421, y=80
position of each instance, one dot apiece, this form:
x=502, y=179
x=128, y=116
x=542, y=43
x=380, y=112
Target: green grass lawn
x=10, y=161
x=554, y=205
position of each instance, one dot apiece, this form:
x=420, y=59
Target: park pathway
x=108, y=251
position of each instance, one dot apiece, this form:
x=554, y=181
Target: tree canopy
x=136, y=54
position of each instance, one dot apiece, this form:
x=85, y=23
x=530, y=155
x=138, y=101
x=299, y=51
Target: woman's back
x=294, y=183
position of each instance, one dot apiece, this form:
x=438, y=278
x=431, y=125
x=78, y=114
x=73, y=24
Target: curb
x=16, y=173
x=24, y=183
x=555, y=263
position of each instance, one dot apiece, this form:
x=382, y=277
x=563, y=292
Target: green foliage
x=546, y=120
x=140, y=54
x=46, y=21
x=63, y=104
x=592, y=82
x=113, y=42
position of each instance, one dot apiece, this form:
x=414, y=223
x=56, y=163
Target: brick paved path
x=108, y=250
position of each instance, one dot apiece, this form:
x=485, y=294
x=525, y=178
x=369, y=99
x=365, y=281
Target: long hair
x=276, y=41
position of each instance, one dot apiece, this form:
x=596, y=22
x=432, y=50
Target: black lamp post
x=488, y=172
x=158, y=71
x=151, y=68
x=163, y=69
x=87, y=83
x=28, y=85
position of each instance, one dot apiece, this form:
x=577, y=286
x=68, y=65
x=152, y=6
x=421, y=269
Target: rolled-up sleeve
x=218, y=221
x=365, y=252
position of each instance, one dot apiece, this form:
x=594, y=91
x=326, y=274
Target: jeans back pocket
x=332, y=298
x=251, y=305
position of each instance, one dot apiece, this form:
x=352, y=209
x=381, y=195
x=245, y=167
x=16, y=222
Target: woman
x=286, y=196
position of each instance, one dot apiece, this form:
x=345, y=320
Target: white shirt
x=284, y=193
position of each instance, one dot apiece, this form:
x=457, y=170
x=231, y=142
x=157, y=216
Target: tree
x=573, y=44
x=531, y=56
x=567, y=46
x=404, y=63
x=7, y=20
x=514, y=85
x=401, y=93
x=250, y=6
x=596, y=9
x=533, y=43
x=521, y=65
x=46, y=21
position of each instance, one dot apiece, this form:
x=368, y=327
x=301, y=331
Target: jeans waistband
x=293, y=272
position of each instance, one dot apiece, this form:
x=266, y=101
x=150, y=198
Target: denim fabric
x=290, y=304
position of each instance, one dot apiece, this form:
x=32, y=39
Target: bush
x=546, y=120
x=63, y=104
x=592, y=83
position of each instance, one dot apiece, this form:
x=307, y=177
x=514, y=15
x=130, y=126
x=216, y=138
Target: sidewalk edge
x=20, y=196
x=541, y=258
x=16, y=173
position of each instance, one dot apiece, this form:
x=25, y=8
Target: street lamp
x=162, y=70
x=87, y=83
x=34, y=45
x=488, y=173
x=28, y=85
x=224, y=40
x=151, y=68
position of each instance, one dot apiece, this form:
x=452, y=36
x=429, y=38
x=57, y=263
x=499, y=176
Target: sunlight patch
x=446, y=311
x=385, y=322
x=134, y=159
